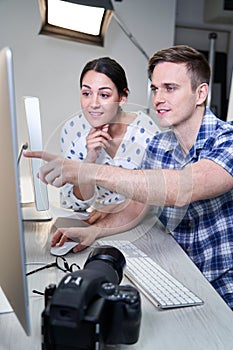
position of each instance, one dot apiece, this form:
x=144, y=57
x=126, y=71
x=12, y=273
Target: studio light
x=85, y=21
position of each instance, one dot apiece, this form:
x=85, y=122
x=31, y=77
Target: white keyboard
x=163, y=290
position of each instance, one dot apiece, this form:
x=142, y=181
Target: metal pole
x=212, y=37
x=129, y=34
x=135, y=42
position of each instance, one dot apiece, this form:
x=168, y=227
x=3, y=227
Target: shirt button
x=190, y=224
x=188, y=250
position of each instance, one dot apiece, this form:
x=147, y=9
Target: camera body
x=89, y=309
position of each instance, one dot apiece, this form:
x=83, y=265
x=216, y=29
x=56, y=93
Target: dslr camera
x=89, y=309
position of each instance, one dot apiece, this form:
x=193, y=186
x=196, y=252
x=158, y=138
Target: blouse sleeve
x=69, y=201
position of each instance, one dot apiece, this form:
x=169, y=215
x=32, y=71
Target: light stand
x=138, y=46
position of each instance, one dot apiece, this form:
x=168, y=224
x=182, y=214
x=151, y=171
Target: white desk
x=206, y=327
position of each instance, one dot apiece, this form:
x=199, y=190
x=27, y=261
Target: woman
x=105, y=134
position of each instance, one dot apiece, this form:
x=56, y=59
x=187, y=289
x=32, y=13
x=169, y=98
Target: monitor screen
x=40, y=211
x=12, y=248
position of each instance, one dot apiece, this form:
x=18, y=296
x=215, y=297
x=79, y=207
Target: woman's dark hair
x=111, y=69
x=196, y=64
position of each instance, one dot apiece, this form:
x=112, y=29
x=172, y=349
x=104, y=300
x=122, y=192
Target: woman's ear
x=124, y=96
x=123, y=100
x=202, y=93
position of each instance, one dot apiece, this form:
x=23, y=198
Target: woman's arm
x=119, y=222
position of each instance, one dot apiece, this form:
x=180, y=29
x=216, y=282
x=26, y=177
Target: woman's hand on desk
x=113, y=223
x=98, y=215
x=95, y=216
x=84, y=237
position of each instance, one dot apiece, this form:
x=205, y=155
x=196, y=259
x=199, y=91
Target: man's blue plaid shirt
x=204, y=228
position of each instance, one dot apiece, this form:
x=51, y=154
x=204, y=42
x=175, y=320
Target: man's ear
x=202, y=93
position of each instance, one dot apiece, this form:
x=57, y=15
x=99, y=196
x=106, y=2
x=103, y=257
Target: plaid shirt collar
x=207, y=128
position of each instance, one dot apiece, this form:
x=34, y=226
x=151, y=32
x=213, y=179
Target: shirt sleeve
x=219, y=148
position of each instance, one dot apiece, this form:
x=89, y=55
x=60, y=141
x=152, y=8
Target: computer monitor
x=39, y=211
x=12, y=248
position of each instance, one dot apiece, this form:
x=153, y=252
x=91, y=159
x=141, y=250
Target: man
x=188, y=168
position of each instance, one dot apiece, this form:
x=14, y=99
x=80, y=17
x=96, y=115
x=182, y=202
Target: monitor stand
x=30, y=213
x=4, y=304
x=29, y=204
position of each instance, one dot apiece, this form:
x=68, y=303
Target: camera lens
x=110, y=255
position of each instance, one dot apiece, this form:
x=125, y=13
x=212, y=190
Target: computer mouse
x=64, y=249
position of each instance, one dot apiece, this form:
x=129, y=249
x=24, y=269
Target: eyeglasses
x=61, y=263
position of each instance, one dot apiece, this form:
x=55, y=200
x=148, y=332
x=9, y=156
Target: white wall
x=49, y=68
